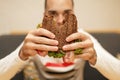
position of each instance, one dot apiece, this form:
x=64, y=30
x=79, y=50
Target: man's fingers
x=44, y=40
x=69, y=57
x=42, y=53
x=88, y=50
x=86, y=56
x=77, y=45
x=77, y=35
x=43, y=32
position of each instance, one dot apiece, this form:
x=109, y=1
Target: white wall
x=99, y=14
x=20, y=15
x=24, y=15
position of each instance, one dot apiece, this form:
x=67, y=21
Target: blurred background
x=19, y=16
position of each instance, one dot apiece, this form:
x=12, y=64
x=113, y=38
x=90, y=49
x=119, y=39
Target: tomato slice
x=50, y=64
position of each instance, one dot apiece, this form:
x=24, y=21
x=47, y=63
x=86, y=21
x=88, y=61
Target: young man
x=34, y=41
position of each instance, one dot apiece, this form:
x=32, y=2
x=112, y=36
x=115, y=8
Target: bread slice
x=68, y=27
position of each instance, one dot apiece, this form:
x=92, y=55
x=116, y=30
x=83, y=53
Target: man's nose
x=60, y=19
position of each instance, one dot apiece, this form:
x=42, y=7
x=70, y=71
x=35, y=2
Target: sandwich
x=68, y=27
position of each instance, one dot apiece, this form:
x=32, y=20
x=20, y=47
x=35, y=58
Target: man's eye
x=67, y=12
x=53, y=13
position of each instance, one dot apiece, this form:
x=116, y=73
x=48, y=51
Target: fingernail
x=53, y=36
x=67, y=39
x=64, y=47
x=56, y=48
x=56, y=42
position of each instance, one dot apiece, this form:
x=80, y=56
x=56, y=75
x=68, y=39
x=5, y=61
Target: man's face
x=58, y=8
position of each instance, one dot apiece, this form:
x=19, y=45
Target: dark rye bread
x=68, y=27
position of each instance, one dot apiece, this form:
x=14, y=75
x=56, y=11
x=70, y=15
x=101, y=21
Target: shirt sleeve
x=107, y=64
x=11, y=64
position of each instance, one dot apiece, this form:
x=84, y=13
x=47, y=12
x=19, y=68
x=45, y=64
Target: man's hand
x=86, y=44
x=38, y=41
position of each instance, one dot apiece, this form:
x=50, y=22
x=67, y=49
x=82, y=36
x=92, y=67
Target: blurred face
x=58, y=8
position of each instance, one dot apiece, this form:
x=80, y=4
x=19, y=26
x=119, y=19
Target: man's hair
x=46, y=3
